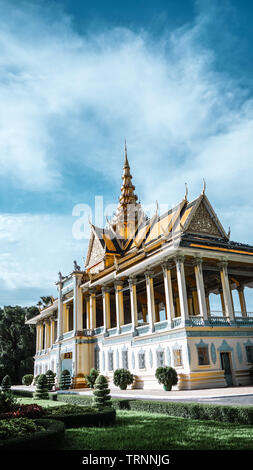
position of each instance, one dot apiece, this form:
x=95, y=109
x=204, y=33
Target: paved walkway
x=229, y=395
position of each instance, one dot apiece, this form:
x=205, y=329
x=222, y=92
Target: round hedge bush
x=166, y=376
x=27, y=379
x=122, y=378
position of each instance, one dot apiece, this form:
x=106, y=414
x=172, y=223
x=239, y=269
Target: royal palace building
x=142, y=300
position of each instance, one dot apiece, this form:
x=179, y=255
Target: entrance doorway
x=226, y=366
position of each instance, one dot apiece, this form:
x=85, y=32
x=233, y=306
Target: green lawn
x=152, y=431
x=145, y=431
x=44, y=403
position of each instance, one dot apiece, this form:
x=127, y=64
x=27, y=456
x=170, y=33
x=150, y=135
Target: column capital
x=167, y=265
x=105, y=289
x=92, y=291
x=197, y=261
x=222, y=264
x=118, y=283
x=132, y=281
x=179, y=258
x=149, y=274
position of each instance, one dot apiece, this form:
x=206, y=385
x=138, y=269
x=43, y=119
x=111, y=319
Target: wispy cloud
x=69, y=101
x=34, y=248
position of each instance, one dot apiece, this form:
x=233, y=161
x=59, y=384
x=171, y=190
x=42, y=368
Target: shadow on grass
x=144, y=431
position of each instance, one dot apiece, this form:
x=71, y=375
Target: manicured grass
x=44, y=403
x=137, y=430
x=145, y=431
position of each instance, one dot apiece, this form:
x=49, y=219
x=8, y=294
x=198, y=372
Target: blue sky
x=76, y=79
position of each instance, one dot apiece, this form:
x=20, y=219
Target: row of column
x=45, y=336
x=185, y=306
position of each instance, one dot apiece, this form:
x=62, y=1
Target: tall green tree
x=17, y=342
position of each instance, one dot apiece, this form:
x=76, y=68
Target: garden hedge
x=225, y=413
x=105, y=417
x=29, y=394
x=48, y=439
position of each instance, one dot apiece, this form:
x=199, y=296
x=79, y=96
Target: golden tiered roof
x=131, y=230
x=129, y=212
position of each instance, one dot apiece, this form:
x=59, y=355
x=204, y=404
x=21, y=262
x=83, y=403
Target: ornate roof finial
x=76, y=266
x=186, y=191
x=126, y=160
x=129, y=211
x=204, y=186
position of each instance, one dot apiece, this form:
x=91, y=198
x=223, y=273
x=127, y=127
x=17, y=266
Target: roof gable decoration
x=202, y=219
x=96, y=251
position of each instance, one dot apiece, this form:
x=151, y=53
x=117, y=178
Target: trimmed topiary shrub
x=41, y=391
x=6, y=384
x=101, y=393
x=167, y=376
x=91, y=378
x=27, y=379
x=122, y=378
x=50, y=375
x=65, y=380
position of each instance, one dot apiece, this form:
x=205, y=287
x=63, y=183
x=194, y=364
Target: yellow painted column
x=150, y=299
x=88, y=322
x=133, y=302
x=190, y=304
x=229, y=308
x=37, y=337
x=59, y=313
x=222, y=302
x=48, y=328
x=144, y=313
x=208, y=308
x=177, y=302
x=52, y=329
x=93, y=309
x=118, y=285
x=106, y=308
x=182, y=289
x=157, y=313
x=195, y=302
x=170, y=311
x=200, y=288
x=77, y=303
x=65, y=318
x=241, y=295
x=41, y=335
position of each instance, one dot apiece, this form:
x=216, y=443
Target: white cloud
x=81, y=95
x=67, y=98
x=34, y=248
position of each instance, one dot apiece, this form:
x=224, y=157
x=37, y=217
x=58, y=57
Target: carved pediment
x=95, y=251
x=203, y=221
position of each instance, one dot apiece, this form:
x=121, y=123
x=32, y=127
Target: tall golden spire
x=127, y=189
x=129, y=211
